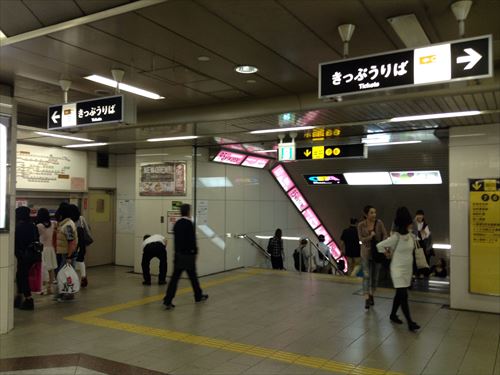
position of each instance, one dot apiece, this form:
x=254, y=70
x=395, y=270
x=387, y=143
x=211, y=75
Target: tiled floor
x=257, y=322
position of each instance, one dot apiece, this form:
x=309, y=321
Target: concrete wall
x=477, y=155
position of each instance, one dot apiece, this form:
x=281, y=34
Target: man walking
x=154, y=247
x=185, y=258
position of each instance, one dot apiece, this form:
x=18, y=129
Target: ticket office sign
x=457, y=60
x=87, y=112
x=484, y=236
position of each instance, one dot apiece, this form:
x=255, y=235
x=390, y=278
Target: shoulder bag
x=420, y=259
x=376, y=256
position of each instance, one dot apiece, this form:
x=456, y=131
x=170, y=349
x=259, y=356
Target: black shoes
x=18, y=301
x=203, y=297
x=27, y=304
x=395, y=319
x=163, y=282
x=412, y=326
x=84, y=282
x=370, y=299
x=367, y=304
x=146, y=283
x=169, y=306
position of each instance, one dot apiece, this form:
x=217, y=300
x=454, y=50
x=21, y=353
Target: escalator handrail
x=256, y=244
x=333, y=264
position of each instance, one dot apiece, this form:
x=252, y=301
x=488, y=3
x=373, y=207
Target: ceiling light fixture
x=87, y=145
x=123, y=86
x=392, y=143
x=281, y=130
x=467, y=135
x=442, y=246
x=264, y=151
x=409, y=30
x=246, y=69
x=203, y=58
x=431, y=116
x=251, y=81
x=64, y=137
x=166, y=139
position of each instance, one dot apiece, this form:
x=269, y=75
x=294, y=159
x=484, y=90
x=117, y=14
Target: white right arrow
x=55, y=116
x=472, y=58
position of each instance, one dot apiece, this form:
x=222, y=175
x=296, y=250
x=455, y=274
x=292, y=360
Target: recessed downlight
x=246, y=69
x=251, y=81
x=203, y=58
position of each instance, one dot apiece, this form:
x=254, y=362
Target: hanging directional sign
x=458, y=60
x=331, y=152
x=95, y=111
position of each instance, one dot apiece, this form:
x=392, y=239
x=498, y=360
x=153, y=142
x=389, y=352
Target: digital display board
x=229, y=157
x=283, y=178
x=255, y=162
x=322, y=230
x=331, y=179
x=416, y=178
x=298, y=199
x=311, y=218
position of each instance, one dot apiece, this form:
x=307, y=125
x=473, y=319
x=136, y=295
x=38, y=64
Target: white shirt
x=153, y=238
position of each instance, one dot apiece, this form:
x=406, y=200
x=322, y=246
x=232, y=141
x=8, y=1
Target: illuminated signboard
x=283, y=178
x=331, y=179
x=3, y=176
x=298, y=199
x=255, y=162
x=331, y=152
x=229, y=157
x=324, y=232
x=311, y=218
x=453, y=61
x=416, y=178
x=368, y=178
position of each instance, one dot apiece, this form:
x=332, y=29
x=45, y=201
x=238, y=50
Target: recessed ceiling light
x=123, y=86
x=280, y=130
x=392, y=143
x=64, y=136
x=251, y=81
x=86, y=145
x=246, y=69
x=182, y=138
x=203, y=58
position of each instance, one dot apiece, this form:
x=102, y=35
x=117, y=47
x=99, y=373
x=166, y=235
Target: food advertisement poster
x=163, y=179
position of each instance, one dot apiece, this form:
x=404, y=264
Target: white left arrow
x=55, y=116
x=472, y=58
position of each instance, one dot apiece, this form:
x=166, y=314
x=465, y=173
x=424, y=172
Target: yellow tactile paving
x=93, y=318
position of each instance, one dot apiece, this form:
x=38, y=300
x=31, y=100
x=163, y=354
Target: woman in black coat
x=26, y=233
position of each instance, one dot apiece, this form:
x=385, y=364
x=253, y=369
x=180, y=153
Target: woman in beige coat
x=370, y=232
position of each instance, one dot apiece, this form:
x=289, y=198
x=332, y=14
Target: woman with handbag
x=26, y=235
x=400, y=247
x=84, y=240
x=370, y=231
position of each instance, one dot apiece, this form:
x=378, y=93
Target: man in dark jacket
x=185, y=258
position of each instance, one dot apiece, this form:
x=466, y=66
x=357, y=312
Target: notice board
x=484, y=236
x=50, y=168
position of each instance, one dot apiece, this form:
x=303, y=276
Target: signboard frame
x=61, y=127
x=490, y=68
x=470, y=181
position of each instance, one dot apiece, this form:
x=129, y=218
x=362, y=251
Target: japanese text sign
x=331, y=152
x=298, y=199
x=458, y=60
x=87, y=112
x=229, y=157
x=283, y=178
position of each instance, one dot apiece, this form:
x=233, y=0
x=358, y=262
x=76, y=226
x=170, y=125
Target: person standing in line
x=66, y=239
x=401, y=245
x=370, y=231
x=351, y=248
x=81, y=250
x=46, y=231
x=275, y=249
x=423, y=233
x=25, y=234
x=186, y=250
x=154, y=246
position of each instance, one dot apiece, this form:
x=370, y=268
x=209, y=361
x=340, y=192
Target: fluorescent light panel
x=281, y=130
x=441, y=246
x=123, y=86
x=435, y=116
x=265, y=151
x=86, y=145
x=166, y=139
x=64, y=136
x=392, y=143
x=368, y=178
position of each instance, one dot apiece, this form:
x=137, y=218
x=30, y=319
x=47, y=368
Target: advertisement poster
x=172, y=217
x=163, y=179
x=484, y=236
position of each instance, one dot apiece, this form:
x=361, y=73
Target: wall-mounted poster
x=50, y=168
x=163, y=179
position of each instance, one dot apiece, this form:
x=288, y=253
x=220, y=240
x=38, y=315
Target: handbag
x=376, y=256
x=87, y=237
x=420, y=259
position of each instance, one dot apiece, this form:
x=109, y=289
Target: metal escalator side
x=326, y=259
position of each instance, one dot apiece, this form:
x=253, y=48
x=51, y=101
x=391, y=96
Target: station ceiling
x=159, y=47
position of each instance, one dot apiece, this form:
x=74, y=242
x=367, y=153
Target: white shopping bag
x=67, y=280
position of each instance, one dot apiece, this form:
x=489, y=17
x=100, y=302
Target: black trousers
x=22, y=278
x=174, y=280
x=277, y=263
x=401, y=299
x=149, y=254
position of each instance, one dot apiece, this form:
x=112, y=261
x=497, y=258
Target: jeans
x=371, y=272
